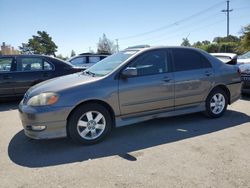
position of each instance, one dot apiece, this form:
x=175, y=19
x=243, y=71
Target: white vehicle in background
x=244, y=58
x=243, y=62
x=228, y=58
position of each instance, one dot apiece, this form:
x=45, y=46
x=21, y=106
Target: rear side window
x=47, y=66
x=94, y=59
x=78, y=61
x=5, y=64
x=186, y=59
x=33, y=64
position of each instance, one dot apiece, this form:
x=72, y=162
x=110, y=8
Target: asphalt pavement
x=184, y=151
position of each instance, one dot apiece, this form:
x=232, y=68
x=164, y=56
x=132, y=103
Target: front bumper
x=53, y=118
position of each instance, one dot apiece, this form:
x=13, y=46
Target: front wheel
x=216, y=103
x=89, y=124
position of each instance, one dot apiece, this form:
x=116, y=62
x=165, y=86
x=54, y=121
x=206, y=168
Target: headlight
x=43, y=99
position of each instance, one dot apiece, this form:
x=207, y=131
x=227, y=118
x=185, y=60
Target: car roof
x=160, y=47
x=26, y=55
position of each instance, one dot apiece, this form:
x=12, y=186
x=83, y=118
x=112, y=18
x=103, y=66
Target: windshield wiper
x=89, y=73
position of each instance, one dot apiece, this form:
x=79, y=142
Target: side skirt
x=145, y=116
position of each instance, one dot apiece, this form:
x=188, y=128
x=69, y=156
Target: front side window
x=78, y=61
x=153, y=62
x=5, y=64
x=186, y=59
x=94, y=59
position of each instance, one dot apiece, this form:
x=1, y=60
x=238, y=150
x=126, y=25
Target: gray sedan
x=131, y=86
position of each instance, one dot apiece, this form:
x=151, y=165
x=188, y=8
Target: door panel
x=7, y=83
x=152, y=88
x=31, y=71
x=146, y=93
x=191, y=86
x=193, y=76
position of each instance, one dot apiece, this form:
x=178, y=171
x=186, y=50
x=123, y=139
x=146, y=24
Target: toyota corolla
x=131, y=86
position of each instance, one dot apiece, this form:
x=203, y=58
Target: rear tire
x=216, y=103
x=89, y=124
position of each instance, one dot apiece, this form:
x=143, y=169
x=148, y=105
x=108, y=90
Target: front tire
x=216, y=103
x=89, y=124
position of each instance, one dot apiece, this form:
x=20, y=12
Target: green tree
x=105, y=45
x=245, y=40
x=24, y=49
x=72, y=53
x=40, y=44
x=229, y=38
x=60, y=56
x=185, y=42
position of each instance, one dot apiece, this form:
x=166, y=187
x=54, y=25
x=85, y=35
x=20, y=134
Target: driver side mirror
x=129, y=72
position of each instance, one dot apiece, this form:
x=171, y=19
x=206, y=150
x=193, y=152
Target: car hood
x=61, y=83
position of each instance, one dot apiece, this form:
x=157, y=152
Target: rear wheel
x=216, y=103
x=89, y=124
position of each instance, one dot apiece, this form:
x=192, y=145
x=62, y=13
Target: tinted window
x=185, y=59
x=78, y=61
x=33, y=64
x=94, y=59
x=5, y=64
x=153, y=62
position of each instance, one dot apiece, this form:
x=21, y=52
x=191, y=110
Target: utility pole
x=117, y=45
x=227, y=11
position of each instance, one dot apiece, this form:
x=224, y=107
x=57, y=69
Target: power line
x=172, y=24
x=196, y=29
x=176, y=30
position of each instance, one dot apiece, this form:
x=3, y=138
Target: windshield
x=108, y=64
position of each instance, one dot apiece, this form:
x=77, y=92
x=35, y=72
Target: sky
x=78, y=24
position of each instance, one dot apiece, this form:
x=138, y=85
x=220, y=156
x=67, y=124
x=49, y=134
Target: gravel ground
x=185, y=151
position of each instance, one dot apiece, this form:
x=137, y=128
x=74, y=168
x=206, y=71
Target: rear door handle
x=45, y=75
x=208, y=73
x=166, y=79
x=7, y=77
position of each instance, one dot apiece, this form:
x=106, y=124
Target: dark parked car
x=19, y=72
x=245, y=76
x=86, y=60
x=128, y=87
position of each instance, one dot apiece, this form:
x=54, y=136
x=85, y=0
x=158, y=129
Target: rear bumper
x=53, y=119
x=235, y=91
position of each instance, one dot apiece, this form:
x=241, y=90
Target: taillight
x=239, y=72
